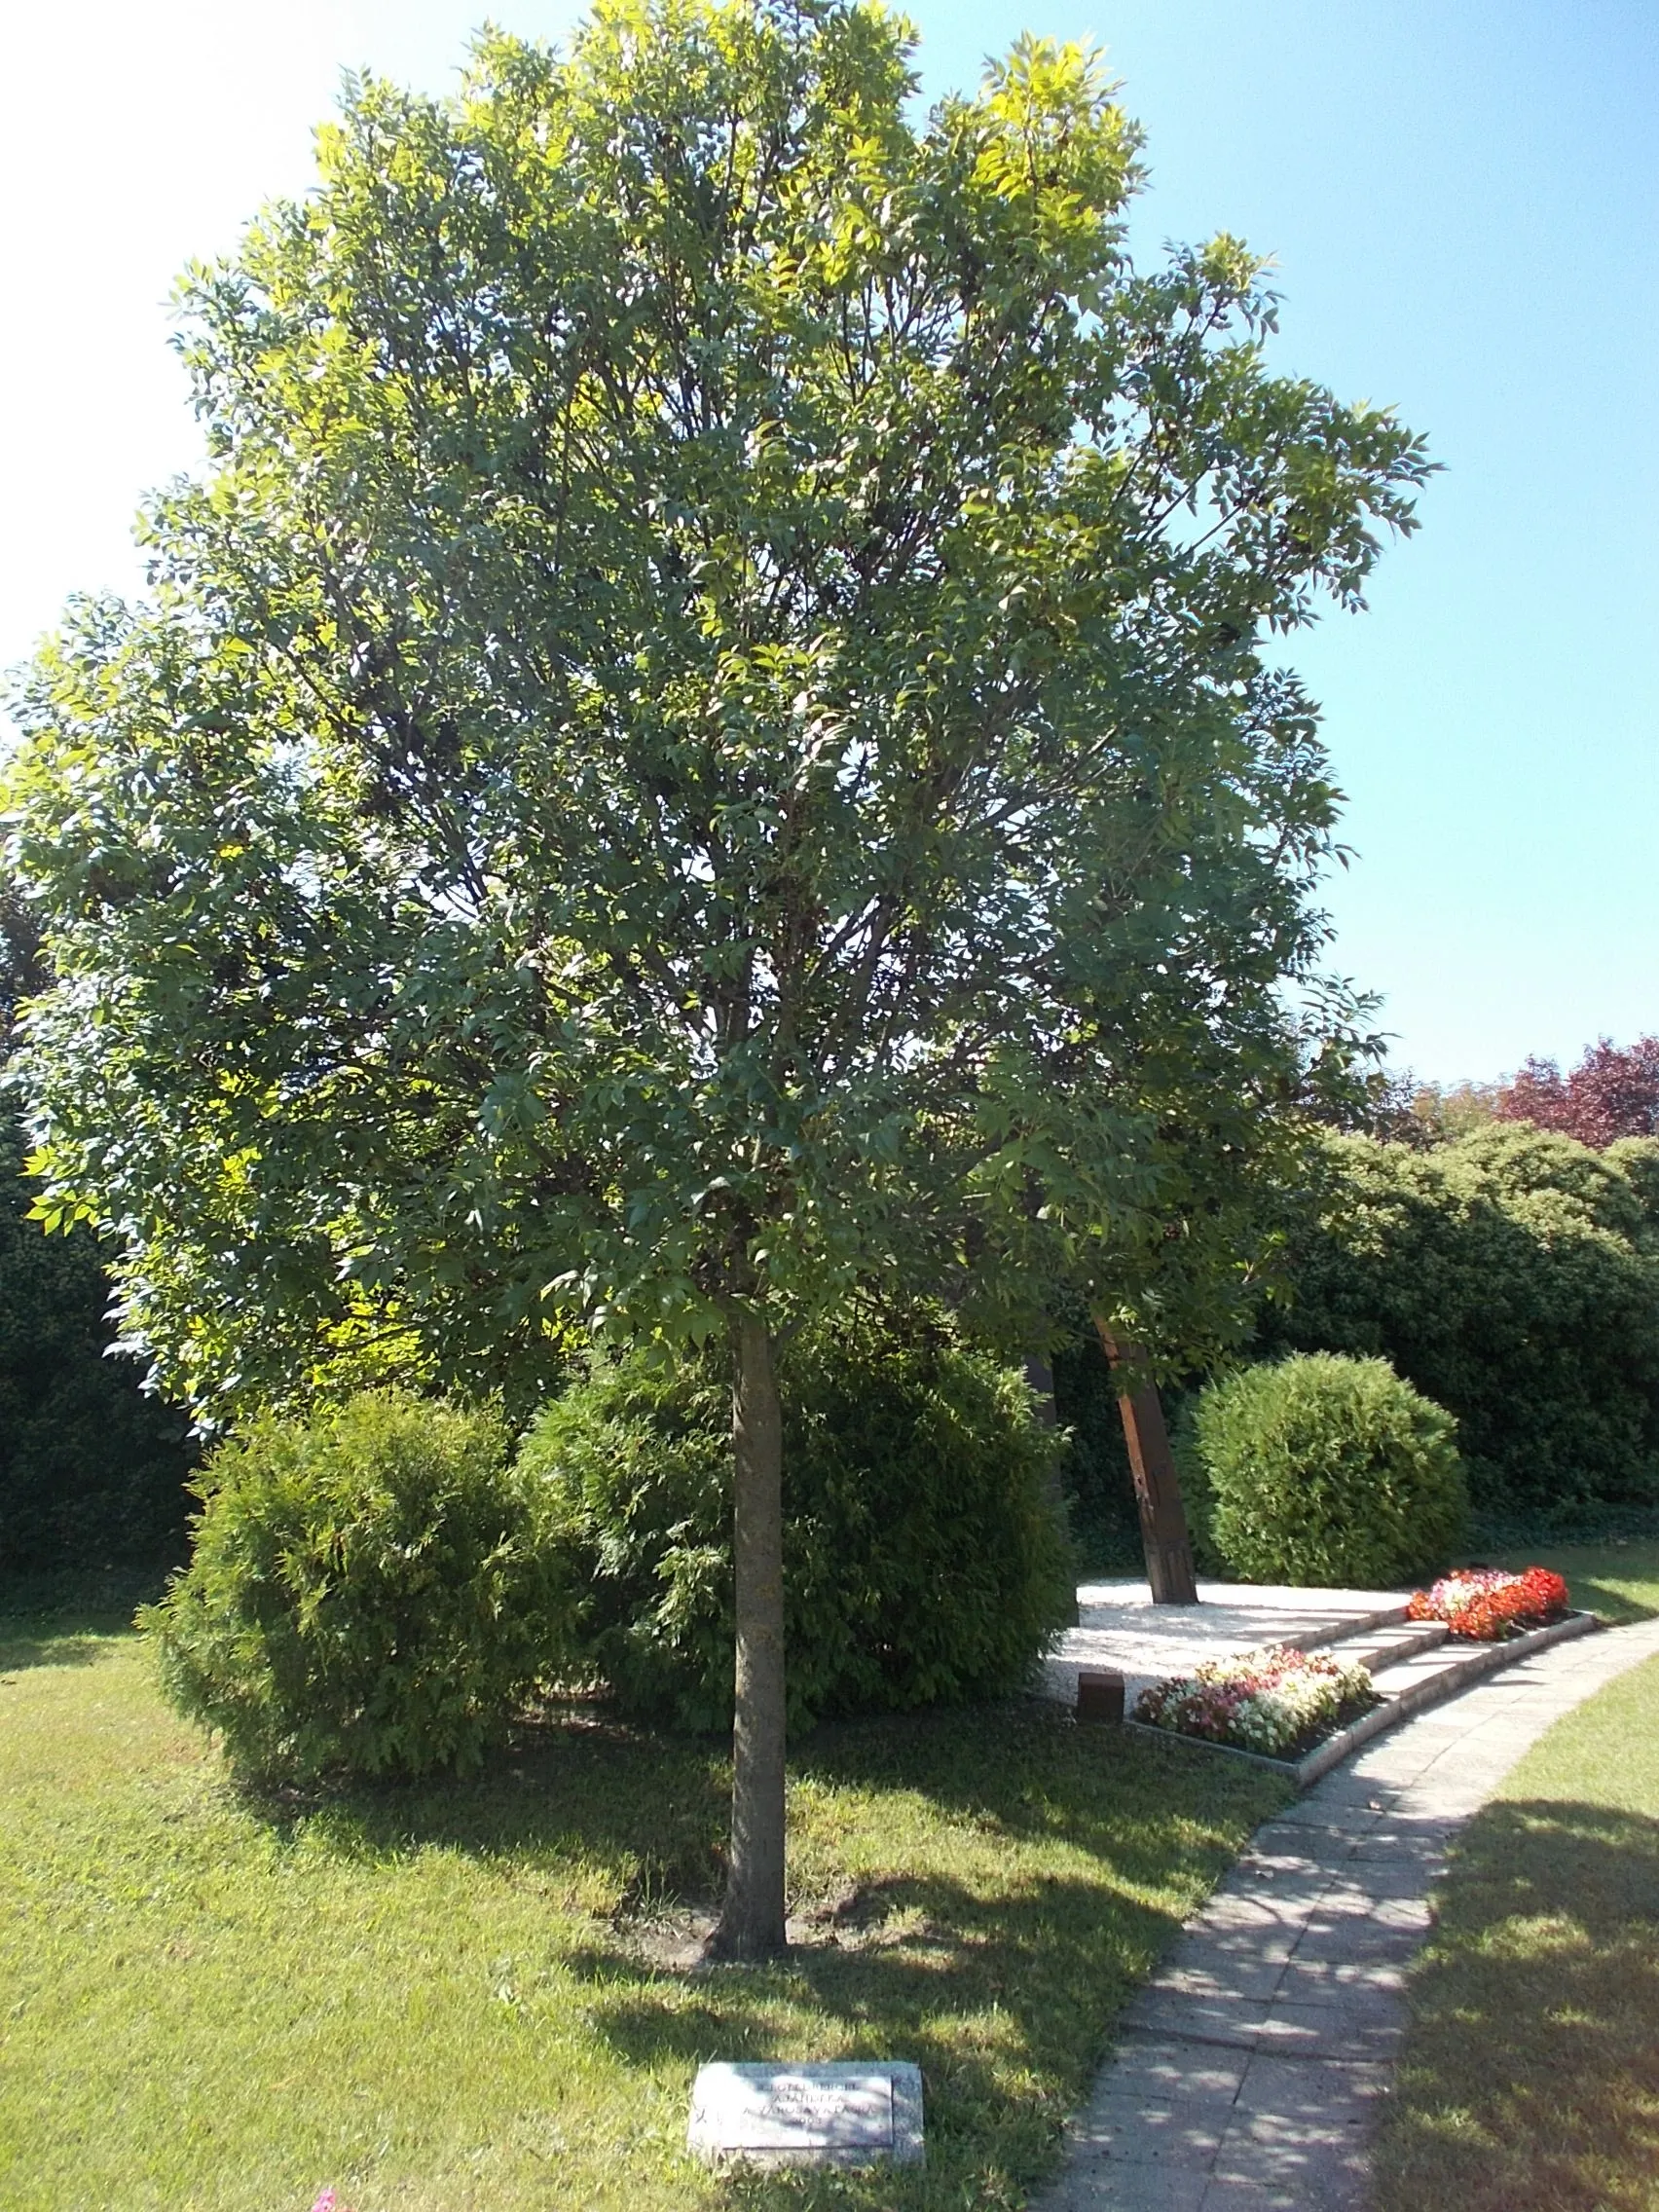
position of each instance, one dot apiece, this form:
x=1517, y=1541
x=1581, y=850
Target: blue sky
x=1463, y=202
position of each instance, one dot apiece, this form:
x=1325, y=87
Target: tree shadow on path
x=980, y=1892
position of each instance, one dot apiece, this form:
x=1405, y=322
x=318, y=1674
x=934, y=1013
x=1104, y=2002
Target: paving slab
x=1167, y=2069
x=1249, y=2070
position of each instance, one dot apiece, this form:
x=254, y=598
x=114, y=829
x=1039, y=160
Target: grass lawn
x=454, y=1995
x=1530, y=2076
x=1620, y=1581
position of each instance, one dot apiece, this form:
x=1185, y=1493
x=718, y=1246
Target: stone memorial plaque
x=855, y=2114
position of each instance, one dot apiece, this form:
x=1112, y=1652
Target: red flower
x=1484, y=1605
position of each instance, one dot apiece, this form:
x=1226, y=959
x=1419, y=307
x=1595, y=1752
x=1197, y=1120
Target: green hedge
x=1322, y=1471
x=93, y=1471
x=925, y=1558
x=1513, y=1275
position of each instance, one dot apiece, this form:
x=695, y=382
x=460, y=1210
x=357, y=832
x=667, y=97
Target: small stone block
x=855, y=2114
x=1099, y=1694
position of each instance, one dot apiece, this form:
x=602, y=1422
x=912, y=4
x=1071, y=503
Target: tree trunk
x=1157, y=1487
x=751, y=1920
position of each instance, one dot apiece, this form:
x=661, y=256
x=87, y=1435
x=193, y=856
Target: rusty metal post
x=1157, y=1487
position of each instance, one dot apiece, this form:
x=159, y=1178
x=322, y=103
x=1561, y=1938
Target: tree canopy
x=703, y=740
x=1612, y=1093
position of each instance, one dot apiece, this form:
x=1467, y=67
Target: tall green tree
x=700, y=744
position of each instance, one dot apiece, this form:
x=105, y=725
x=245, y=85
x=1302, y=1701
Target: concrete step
x=1422, y=1678
x=1380, y=1648
x=1321, y=1639
x=1410, y=1685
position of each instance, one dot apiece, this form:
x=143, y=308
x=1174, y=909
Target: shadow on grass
x=656, y=1806
x=1618, y=1578
x=63, y=1619
x=1618, y=1608
x=1530, y=2076
x=991, y=1931
x=1000, y=1978
x=1025, y=1964
x=51, y=1649
x=649, y=1809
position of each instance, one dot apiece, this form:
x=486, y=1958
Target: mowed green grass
x=454, y=1996
x=1619, y=1581
x=1530, y=2076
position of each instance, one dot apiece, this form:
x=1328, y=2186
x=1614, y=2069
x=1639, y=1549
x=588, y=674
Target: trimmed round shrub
x=925, y=1559
x=1324, y=1471
x=367, y=1592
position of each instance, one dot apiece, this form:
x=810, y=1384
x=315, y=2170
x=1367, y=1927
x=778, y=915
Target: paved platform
x=1248, y=2072
x=1121, y=1628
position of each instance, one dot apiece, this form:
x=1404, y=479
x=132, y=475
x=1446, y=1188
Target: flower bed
x=1278, y=1702
x=1485, y=1604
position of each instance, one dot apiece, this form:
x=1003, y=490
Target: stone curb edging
x=1482, y=1659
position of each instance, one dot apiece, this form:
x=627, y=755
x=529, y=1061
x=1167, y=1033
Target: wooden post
x=1157, y=1487
x=1100, y=1694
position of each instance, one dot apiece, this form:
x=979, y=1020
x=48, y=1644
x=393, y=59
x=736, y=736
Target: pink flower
x=1263, y=1700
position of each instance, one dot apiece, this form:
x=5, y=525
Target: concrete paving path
x=1248, y=2071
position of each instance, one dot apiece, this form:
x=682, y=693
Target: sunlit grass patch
x=451, y=1996
x=1620, y=1581
x=1531, y=2078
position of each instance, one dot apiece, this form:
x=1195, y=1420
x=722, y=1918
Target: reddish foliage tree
x=1611, y=1094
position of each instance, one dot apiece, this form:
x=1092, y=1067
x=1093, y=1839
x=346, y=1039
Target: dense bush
x=93, y=1471
x=925, y=1559
x=1513, y=1275
x=1324, y=1471
x=367, y=1592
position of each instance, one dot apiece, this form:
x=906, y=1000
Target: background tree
x=1512, y=1275
x=1401, y=1107
x=1612, y=1093
x=700, y=744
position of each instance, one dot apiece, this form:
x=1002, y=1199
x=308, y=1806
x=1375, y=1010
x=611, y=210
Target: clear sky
x=1462, y=196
